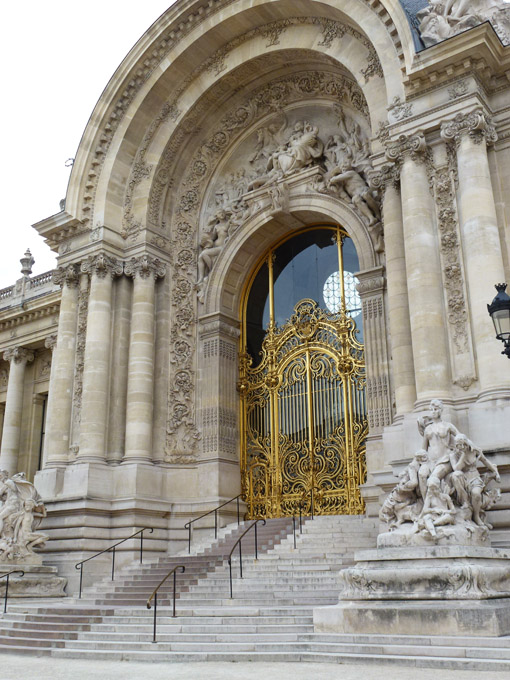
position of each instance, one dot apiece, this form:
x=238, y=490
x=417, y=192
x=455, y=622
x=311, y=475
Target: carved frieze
x=81, y=334
x=453, y=277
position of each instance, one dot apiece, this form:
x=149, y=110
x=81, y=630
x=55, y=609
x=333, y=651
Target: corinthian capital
x=413, y=146
x=19, y=355
x=102, y=265
x=476, y=124
x=145, y=267
x=387, y=175
x=68, y=275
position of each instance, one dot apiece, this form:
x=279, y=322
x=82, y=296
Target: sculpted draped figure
x=445, y=18
x=442, y=496
x=21, y=511
x=278, y=150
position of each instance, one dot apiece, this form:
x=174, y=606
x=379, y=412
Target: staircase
x=269, y=618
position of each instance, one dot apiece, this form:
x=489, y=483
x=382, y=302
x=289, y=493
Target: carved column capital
x=102, y=265
x=387, y=175
x=413, y=146
x=476, y=124
x=51, y=342
x=68, y=275
x=145, y=267
x=19, y=355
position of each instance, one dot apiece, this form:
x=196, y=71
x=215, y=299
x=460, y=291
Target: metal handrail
x=155, y=596
x=14, y=571
x=238, y=542
x=111, y=549
x=188, y=524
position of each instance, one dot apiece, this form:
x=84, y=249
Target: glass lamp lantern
x=499, y=310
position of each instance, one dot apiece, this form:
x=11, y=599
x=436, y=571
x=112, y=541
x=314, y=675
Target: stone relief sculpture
x=442, y=497
x=281, y=149
x=21, y=511
x=445, y=18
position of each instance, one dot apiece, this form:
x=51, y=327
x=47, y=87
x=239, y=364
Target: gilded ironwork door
x=304, y=418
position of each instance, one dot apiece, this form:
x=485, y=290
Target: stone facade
x=215, y=138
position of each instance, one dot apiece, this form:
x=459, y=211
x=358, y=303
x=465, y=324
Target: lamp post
x=499, y=310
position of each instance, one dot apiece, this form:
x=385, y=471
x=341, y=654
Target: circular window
x=332, y=294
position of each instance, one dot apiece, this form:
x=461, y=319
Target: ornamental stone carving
x=21, y=511
x=413, y=146
x=145, y=267
x=442, y=497
x=476, y=124
x=102, y=265
x=444, y=19
x=19, y=355
x=68, y=275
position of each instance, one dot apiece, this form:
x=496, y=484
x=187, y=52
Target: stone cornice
x=58, y=228
x=30, y=315
x=145, y=267
x=476, y=124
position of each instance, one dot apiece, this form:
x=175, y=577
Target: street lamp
x=499, y=309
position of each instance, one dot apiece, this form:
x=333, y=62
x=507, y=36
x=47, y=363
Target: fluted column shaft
x=481, y=242
x=60, y=395
x=398, y=301
x=18, y=358
x=96, y=372
x=424, y=281
x=140, y=389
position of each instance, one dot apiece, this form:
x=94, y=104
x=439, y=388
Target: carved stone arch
x=157, y=66
x=241, y=253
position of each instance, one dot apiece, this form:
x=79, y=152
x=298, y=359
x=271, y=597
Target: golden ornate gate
x=304, y=419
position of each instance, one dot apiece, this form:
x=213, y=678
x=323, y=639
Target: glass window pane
x=301, y=267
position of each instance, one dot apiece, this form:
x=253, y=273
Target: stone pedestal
x=38, y=581
x=434, y=590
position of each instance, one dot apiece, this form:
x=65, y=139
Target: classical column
x=396, y=283
x=481, y=242
x=60, y=395
x=140, y=390
x=121, y=331
x=18, y=358
x=96, y=372
x=423, y=269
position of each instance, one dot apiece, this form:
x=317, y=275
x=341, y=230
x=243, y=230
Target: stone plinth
x=437, y=590
x=38, y=581
x=452, y=617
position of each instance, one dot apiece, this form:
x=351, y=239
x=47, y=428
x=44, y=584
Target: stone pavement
x=20, y=667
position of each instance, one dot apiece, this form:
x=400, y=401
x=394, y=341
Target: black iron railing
x=6, y=576
x=112, y=550
x=215, y=510
x=239, y=543
x=154, y=597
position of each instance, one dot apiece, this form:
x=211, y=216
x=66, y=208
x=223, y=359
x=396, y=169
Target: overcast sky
x=57, y=58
